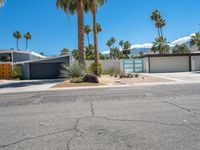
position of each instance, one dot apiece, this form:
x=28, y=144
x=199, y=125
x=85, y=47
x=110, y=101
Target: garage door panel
x=169, y=64
x=45, y=70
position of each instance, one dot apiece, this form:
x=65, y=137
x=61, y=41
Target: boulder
x=91, y=78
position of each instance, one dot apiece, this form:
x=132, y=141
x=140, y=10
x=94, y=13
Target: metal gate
x=133, y=65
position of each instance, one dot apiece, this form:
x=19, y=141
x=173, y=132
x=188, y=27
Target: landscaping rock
x=91, y=78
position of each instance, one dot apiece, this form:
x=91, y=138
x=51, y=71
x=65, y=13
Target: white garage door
x=169, y=64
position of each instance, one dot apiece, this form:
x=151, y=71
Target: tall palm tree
x=80, y=7
x=93, y=5
x=17, y=35
x=160, y=24
x=195, y=40
x=113, y=40
x=99, y=28
x=27, y=36
x=121, y=43
x=160, y=45
x=88, y=30
x=155, y=17
x=159, y=21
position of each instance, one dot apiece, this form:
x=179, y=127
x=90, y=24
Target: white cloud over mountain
x=149, y=45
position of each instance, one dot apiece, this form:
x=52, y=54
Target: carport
x=48, y=68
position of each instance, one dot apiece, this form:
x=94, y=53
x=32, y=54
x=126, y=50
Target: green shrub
x=77, y=80
x=92, y=68
x=17, y=72
x=73, y=71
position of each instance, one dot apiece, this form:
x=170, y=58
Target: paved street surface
x=180, y=77
x=162, y=117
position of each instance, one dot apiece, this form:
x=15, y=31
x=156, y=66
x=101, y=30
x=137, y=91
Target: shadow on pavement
x=16, y=84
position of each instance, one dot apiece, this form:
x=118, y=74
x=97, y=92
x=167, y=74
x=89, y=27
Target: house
x=33, y=65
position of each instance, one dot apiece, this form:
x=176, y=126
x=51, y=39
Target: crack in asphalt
x=35, y=137
x=177, y=106
x=92, y=108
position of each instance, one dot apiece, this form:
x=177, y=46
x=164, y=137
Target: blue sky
x=53, y=30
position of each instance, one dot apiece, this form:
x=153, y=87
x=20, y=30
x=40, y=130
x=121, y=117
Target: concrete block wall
x=108, y=64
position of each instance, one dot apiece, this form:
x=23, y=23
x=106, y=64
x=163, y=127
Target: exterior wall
x=45, y=70
x=195, y=61
x=17, y=57
x=108, y=64
x=146, y=65
x=169, y=64
x=25, y=71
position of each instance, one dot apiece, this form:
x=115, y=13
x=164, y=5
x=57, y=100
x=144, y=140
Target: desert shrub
x=92, y=68
x=112, y=71
x=136, y=75
x=17, y=72
x=77, y=80
x=126, y=75
x=73, y=71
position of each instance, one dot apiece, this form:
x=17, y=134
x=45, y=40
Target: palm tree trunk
x=96, y=54
x=161, y=32
x=26, y=44
x=158, y=32
x=88, y=39
x=81, y=41
x=17, y=44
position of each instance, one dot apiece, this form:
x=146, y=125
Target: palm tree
x=99, y=28
x=181, y=49
x=80, y=7
x=159, y=21
x=195, y=40
x=87, y=30
x=113, y=40
x=94, y=4
x=18, y=36
x=121, y=43
x=160, y=24
x=64, y=51
x=109, y=43
x=27, y=36
x=127, y=49
x=160, y=45
x=154, y=17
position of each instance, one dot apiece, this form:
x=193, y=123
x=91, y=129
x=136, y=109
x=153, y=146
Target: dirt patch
x=108, y=80
x=68, y=84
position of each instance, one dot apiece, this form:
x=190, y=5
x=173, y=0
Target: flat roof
x=43, y=59
x=171, y=55
x=22, y=52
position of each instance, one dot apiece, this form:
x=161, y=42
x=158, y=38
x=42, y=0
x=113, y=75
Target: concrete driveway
x=13, y=86
x=180, y=77
x=127, y=118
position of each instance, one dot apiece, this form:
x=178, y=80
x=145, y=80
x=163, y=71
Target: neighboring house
x=34, y=65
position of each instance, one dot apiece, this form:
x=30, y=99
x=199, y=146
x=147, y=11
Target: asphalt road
x=129, y=118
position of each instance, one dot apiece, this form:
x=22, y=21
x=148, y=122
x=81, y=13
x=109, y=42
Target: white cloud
x=145, y=45
x=106, y=52
x=182, y=40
